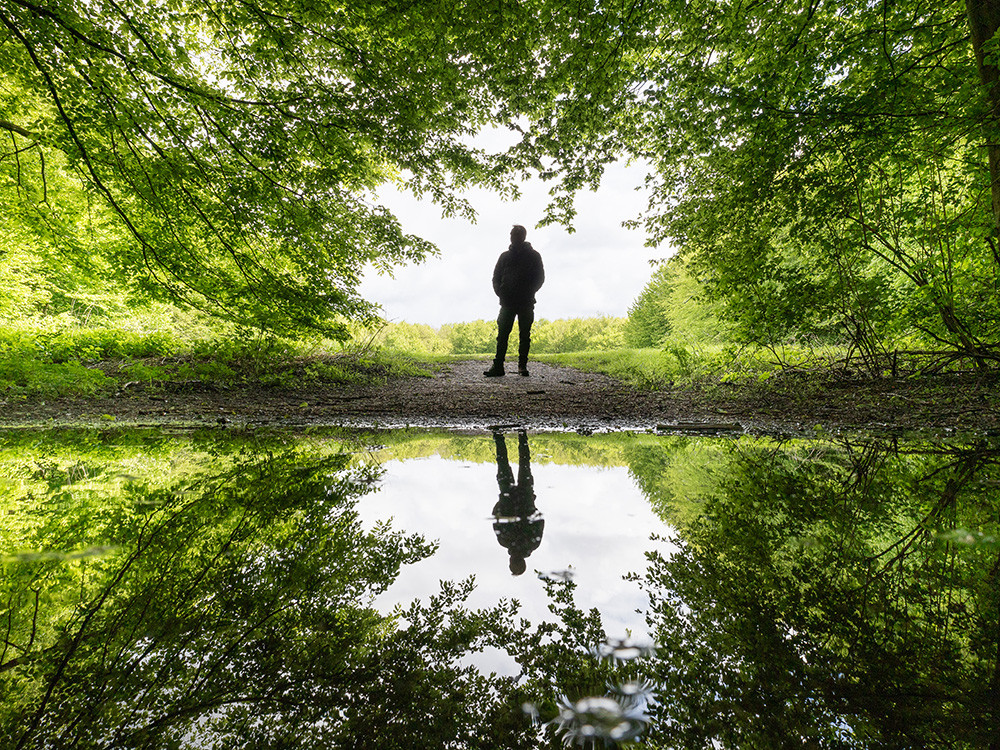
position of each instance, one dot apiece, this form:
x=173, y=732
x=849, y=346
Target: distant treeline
x=670, y=311
x=479, y=336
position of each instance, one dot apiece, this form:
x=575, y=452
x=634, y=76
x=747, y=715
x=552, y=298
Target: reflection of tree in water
x=812, y=602
x=234, y=612
x=517, y=523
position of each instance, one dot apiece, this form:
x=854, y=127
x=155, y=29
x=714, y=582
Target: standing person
x=517, y=276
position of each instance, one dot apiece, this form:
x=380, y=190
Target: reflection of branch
x=213, y=700
x=964, y=471
x=10, y=626
x=201, y=707
x=34, y=620
x=17, y=662
x=75, y=644
x=26, y=649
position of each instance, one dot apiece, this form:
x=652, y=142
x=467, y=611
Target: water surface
x=328, y=589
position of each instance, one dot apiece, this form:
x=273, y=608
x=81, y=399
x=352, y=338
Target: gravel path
x=457, y=395
x=552, y=398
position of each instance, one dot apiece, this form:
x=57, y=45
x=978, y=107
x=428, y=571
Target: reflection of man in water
x=517, y=523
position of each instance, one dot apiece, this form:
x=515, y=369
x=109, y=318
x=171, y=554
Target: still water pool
x=258, y=589
x=513, y=519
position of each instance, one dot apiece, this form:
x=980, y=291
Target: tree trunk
x=984, y=20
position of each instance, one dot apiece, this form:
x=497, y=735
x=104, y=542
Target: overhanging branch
x=19, y=130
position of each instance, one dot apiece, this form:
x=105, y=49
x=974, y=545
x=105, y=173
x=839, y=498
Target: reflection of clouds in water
x=597, y=523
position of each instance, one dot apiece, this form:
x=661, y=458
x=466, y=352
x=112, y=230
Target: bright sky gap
x=597, y=270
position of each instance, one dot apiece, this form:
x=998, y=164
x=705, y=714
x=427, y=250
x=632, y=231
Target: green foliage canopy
x=224, y=154
x=823, y=165
x=826, y=168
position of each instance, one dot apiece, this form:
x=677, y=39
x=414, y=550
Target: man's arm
x=539, y=274
x=497, y=275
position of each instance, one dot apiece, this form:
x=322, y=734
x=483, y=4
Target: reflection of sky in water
x=596, y=521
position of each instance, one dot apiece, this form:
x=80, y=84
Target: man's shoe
x=495, y=372
x=523, y=369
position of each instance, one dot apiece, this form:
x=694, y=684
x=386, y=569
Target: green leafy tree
x=226, y=154
x=673, y=308
x=822, y=167
x=477, y=337
x=576, y=334
x=648, y=319
x=411, y=338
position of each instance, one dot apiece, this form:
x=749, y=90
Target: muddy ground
x=558, y=398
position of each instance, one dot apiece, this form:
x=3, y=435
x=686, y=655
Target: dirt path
x=457, y=395
x=551, y=398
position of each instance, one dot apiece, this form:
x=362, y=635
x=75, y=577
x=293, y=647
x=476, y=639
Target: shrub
x=24, y=377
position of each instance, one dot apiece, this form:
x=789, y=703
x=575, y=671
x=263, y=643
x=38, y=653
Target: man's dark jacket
x=518, y=275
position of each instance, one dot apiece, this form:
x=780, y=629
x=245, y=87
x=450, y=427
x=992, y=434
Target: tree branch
x=19, y=130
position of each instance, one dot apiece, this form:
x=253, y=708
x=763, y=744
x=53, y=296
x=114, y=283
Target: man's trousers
x=505, y=324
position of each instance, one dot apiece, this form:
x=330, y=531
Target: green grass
x=674, y=365
x=644, y=368
x=651, y=368
x=83, y=362
x=21, y=378
x=97, y=361
x=679, y=364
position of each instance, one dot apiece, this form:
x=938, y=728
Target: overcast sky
x=598, y=270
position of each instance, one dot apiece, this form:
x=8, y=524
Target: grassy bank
x=94, y=362
x=680, y=365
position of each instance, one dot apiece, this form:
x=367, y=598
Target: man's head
x=517, y=565
x=518, y=234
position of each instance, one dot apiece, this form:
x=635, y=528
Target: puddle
x=333, y=588
x=590, y=524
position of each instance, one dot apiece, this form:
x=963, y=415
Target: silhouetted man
x=517, y=523
x=517, y=276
